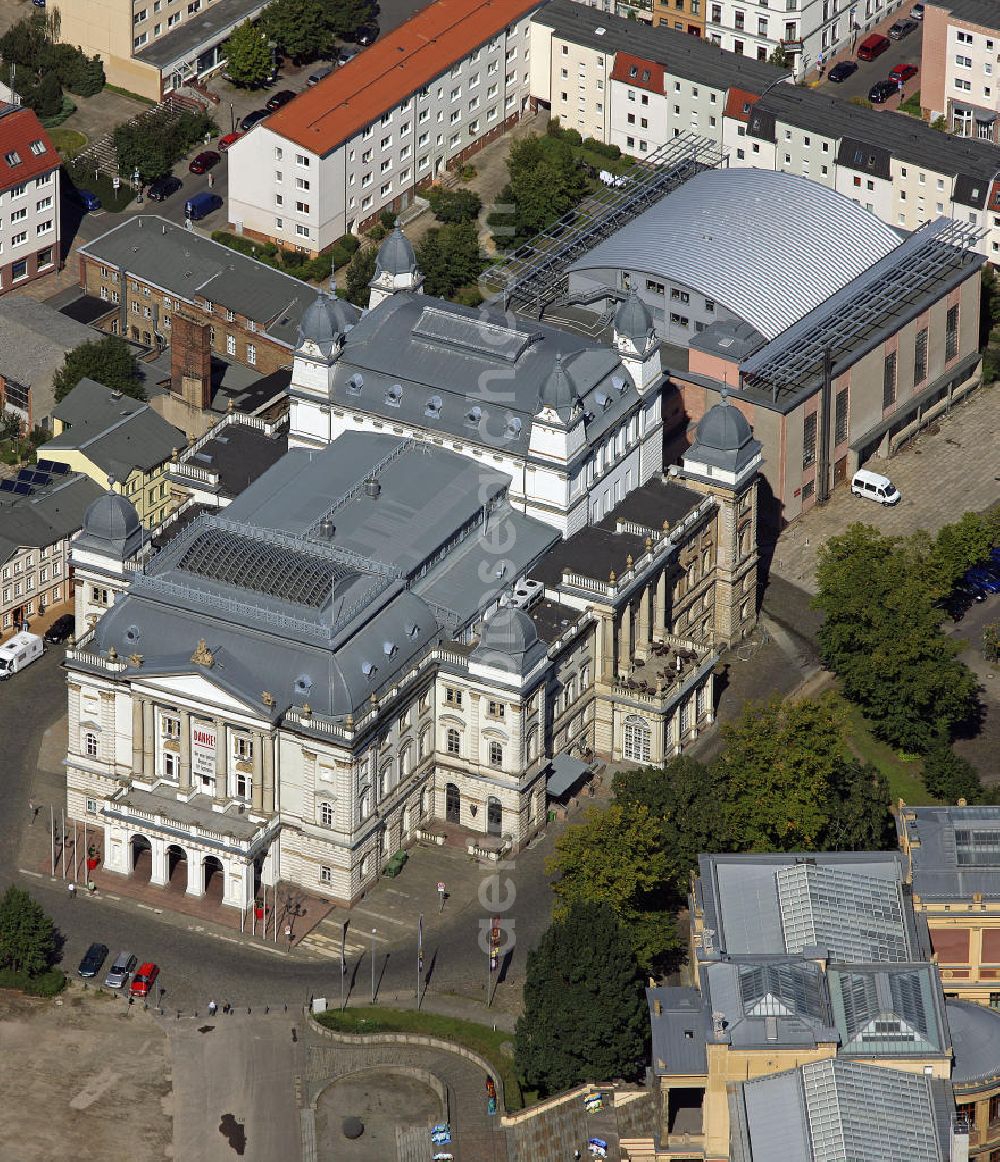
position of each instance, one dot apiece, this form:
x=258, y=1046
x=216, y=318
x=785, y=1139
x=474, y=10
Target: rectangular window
x=452, y=696
x=809, y=440
x=840, y=423
x=230, y=344
x=951, y=333
x=251, y=355
x=889, y=380
x=920, y=356
x=497, y=709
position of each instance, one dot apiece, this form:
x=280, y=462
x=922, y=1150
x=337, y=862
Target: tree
x=46, y=97
x=449, y=257
x=546, y=180
x=109, y=360
x=584, y=1013
x=684, y=797
x=154, y=153
x=958, y=547
x=616, y=857
x=27, y=934
x=949, y=777
x=248, y=56
x=347, y=16
x=991, y=642
x=454, y=205
x=779, y=57
x=859, y=815
x=300, y=28
x=360, y=272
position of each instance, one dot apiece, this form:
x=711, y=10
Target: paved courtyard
x=949, y=469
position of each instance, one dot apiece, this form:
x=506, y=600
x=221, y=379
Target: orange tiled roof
x=643, y=74
x=737, y=100
x=393, y=68
x=19, y=127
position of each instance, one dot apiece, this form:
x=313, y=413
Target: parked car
x=881, y=91
x=917, y=12
x=983, y=578
x=903, y=73
x=88, y=200
x=228, y=140
x=61, y=628
x=201, y=205
x=365, y=35
x=346, y=55
x=205, y=161
x=252, y=119
x=93, y=958
x=121, y=970
x=276, y=100
x=995, y=556
x=163, y=187
x=144, y=979
x=842, y=71
x=902, y=28
x=873, y=46
x=319, y=75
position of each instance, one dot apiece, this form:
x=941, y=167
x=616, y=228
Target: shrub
x=317, y=269
x=454, y=205
x=350, y=242
x=388, y=219
x=293, y=259
x=950, y=777
x=47, y=984
x=612, y=152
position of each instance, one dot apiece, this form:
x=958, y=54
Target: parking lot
x=905, y=51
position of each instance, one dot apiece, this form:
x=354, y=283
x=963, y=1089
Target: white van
x=22, y=649
x=875, y=487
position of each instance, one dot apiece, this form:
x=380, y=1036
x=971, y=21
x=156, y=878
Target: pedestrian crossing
x=326, y=939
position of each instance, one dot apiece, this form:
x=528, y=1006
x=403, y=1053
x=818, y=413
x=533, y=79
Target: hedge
x=48, y=984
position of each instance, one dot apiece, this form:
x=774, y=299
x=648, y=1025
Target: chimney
x=191, y=361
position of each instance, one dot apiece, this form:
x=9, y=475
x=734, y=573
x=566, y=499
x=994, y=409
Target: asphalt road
x=906, y=50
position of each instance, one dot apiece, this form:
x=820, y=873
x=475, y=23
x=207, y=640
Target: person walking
x=71, y=888
x=212, y=1008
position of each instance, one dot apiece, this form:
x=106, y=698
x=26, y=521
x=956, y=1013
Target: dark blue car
x=88, y=200
x=984, y=578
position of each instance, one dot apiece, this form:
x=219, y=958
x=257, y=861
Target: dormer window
x=355, y=384
x=645, y=74
x=619, y=384
x=13, y=158
x=473, y=416
x=433, y=409
x=37, y=147
x=633, y=71
x=388, y=648
x=603, y=401
x=394, y=396
x=368, y=669
x=513, y=428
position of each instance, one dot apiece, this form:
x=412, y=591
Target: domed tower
x=636, y=342
x=395, y=269
x=111, y=537
x=724, y=462
x=323, y=330
x=557, y=429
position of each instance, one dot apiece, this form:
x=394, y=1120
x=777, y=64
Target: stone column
x=137, y=736
x=148, y=738
x=642, y=627
x=625, y=641
x=257, y=787
x=660, y=607
x=159, y=872
x=196, y=873
x=270, y=799
x=604, y=640
x=185, y=762
x=237, y=883
x=221, y=760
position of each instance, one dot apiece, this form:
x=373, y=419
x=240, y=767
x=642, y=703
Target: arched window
x=425, y=743
x=745, y=539
x=532, y=747
x=405, y=761
x=453, y=741
x=326, y=814
x=365, y=803
x=638, y=739
x=90, y=744
x=384, y=781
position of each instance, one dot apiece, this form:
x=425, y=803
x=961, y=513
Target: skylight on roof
x=13, y=158
x=37, y=147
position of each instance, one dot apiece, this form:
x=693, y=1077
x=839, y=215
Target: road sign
x=116, y=183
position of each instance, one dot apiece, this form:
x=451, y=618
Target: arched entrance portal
x=494, y=817
x=141, y=858
x=214, y=878
x=177, y=868
x=452, y=804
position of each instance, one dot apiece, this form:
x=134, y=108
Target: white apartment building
x=29, y=199
x=367, y=137
x=960, y=66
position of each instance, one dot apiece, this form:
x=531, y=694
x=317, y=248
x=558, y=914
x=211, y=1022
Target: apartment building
x=29, y=199
x=960, y=66
x=371, y=134
x=152, y=46
x=40, y=511
x=895, y=166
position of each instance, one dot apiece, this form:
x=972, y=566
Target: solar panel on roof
x=59, y=469
x=45, y=466
x=21, y=488
x=41, y=479
x=6, y=485
x=26, y=474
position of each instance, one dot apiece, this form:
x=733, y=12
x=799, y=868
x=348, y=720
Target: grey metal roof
x=237, y=454
x=682, y=55
x=727, y=234
x=982, y=12
x=567, y=771
x=49, y=514
x=958, y=852
x=34, y=340
x=117, y=433
x=843, y=1111
x=474, y=374
x=975, y=1038
x=907, y=138
x=677, y=1018
x=197, y=33
x=739, y=895
x=185, y=264
x=888, y=1011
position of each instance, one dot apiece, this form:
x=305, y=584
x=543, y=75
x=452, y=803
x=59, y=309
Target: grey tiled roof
x=185, y=264
x=51, y=513
x=117, y=433
x=982, y=12
x=958, y=853
x=34, y=340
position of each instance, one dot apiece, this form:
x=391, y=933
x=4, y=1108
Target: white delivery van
x=875, y=487
x=22, y=649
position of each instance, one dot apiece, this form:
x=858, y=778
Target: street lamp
x=374, y=930
x=136, y=185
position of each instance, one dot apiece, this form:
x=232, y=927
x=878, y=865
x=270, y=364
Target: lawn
x=911, y=105
x=480, y=1039
x=904, y=775
x=69, y=142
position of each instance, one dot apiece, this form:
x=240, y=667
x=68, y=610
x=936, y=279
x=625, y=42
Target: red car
x=144, y=979
x=205, y=161
x=227, y=141
x=903, y=73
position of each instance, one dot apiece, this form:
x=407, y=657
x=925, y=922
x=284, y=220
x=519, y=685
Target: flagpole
x=343, y=964
x=420, y=954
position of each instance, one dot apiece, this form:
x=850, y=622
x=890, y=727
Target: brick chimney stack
x=191, y=361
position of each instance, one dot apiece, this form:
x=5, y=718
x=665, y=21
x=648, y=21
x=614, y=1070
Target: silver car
x=121, y=970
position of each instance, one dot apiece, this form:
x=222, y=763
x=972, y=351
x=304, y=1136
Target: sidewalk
x=41, y=622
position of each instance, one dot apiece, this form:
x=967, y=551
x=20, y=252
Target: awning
x=566, y=772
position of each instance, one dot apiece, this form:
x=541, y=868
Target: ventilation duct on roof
x=327, y=529
x=372, y=488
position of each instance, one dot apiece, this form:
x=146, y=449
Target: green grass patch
x=128, y=93
x=69, y=142
x=911, y=105
x=47, y=984
x=480, y=1039
x=904, y=774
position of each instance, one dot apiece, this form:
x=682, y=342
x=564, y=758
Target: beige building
x=960, y=66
